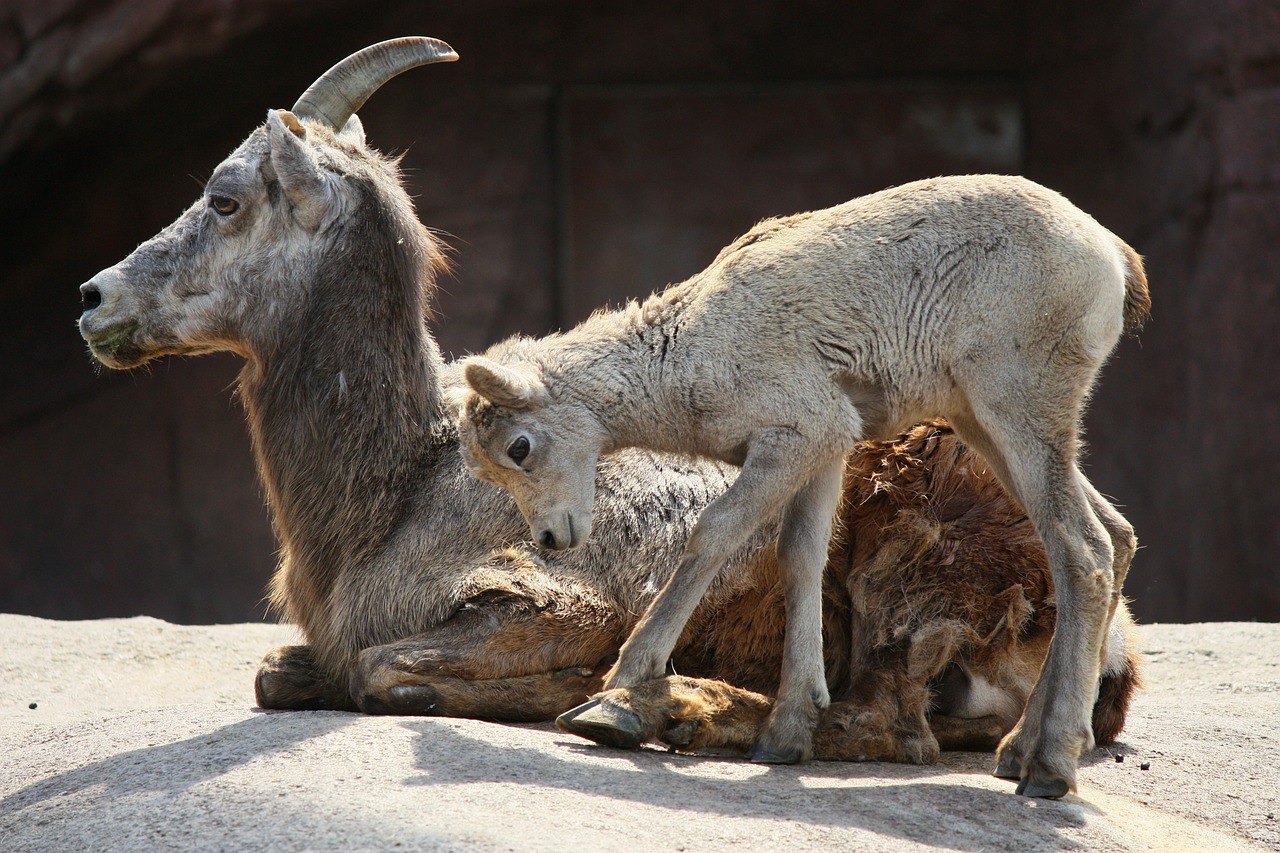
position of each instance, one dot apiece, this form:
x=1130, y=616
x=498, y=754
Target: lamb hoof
x=763, y=755
x=1049, y=789
x=604, y=723
x=1008, y=767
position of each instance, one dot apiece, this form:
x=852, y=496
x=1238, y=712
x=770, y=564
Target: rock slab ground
x=144, y=737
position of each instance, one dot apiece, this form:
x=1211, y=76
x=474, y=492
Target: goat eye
x=518, y=450
x=222, y=205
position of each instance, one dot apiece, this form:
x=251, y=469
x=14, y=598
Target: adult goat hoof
x=763, y=755
x=1049, y=789
x=413, y=699
x=680, y=735
x=604, y=723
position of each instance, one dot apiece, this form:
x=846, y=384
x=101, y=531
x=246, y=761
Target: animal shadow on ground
x=910, y=807
x=179, y=765
x=909, y=802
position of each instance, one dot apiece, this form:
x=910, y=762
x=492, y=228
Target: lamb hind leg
x=1043, y=749
x=1123, y=543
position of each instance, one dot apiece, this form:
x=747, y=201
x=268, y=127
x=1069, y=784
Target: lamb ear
x=298, y=169
x=500, y=384
x=455, y=389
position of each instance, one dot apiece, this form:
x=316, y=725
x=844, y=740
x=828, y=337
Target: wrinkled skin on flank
x=415, y=586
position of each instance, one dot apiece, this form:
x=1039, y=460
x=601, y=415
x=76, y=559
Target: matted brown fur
x=935, y=568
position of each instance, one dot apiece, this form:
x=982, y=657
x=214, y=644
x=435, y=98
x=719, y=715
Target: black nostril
x=548, y=540
x=90, y=297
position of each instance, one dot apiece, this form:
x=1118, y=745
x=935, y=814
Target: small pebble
x=32, y=706
x=1146, y=765
x=1119, y=759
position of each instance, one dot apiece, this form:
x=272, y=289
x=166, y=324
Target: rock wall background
x=581, y=153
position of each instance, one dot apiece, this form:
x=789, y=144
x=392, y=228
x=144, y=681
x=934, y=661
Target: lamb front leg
x=770, y=477
x=802, y=554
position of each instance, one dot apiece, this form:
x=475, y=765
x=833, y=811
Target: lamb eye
x=222, y=205
x=518, y=450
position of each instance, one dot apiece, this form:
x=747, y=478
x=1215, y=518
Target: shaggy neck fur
x=625, y=367
x=342, y=402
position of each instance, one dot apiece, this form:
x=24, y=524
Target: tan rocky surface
x=144, y=737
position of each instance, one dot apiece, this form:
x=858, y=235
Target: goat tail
x=1116, y=687
x=1137, y=299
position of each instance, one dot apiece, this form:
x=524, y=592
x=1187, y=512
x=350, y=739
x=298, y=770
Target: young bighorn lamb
x=410, y=581
x=989, y=300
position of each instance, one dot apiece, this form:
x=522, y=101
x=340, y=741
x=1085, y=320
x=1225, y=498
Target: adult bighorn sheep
x=409, y=579
x=985, y=299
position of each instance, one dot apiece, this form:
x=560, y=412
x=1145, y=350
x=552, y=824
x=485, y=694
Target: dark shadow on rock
x=943, y=814
x=179, y=765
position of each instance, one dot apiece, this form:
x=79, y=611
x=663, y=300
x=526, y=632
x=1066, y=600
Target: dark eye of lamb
x=222, y=205
x=518, y=450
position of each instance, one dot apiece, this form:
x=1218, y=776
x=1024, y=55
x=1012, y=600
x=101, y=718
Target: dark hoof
x=1008, y=767
x=277, y=691
x=604, y=723
x=412, y=699
x=1049, y=789
x=264, y=689
x=762, y=755
x=422, y=696
x=680, y=734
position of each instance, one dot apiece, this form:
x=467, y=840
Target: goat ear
x=290, y=121
x=352, y=131
x=500, y=384
x=298, y=170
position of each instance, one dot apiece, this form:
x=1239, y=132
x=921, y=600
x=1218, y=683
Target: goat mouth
x=115, y=347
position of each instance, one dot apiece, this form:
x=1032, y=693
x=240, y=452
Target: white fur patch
x=985, y=699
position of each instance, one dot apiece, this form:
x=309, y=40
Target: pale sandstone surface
x=145, y=737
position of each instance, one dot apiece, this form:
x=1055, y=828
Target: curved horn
x=345, y=87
